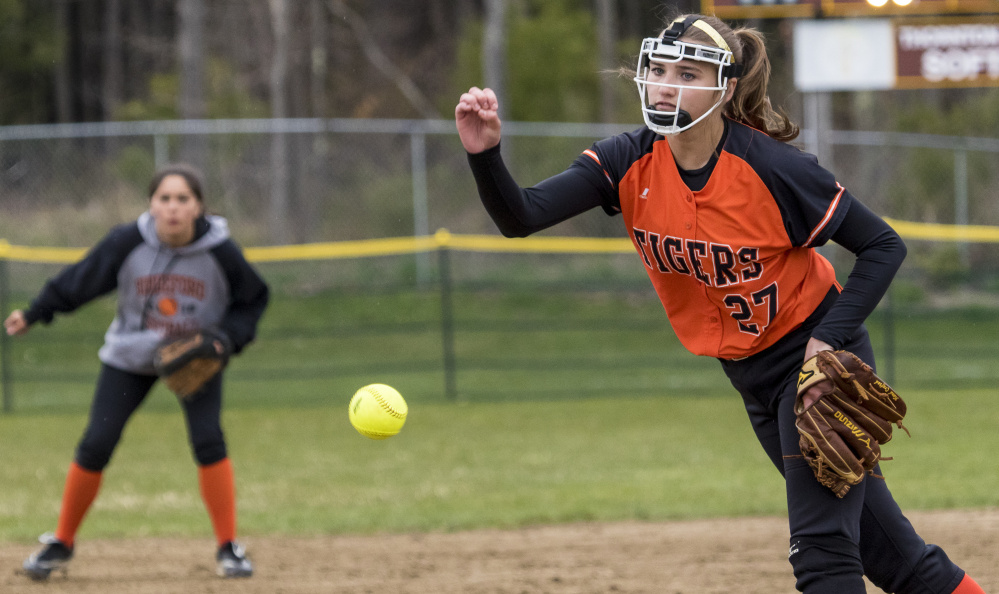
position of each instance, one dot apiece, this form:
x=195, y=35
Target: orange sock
x=218, y=490
x=80, y=491
x=968, y=586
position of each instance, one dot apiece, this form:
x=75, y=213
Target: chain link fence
x=520, y=325
x=302, y=180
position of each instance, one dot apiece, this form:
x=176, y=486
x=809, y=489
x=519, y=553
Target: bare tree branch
x=381, y=62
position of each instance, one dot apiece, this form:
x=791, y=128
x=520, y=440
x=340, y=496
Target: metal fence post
x=961, y=200
x=161, y=150
x=421, y=227
x=447, y=321
x=5, y=385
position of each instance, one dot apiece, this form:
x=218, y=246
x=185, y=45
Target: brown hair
x=190, y=174
x=750, y=104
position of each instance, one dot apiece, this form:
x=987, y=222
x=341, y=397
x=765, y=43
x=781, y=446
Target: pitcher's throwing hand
x=477, y=118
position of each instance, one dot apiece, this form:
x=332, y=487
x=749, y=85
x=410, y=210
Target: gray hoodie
x=163, y=292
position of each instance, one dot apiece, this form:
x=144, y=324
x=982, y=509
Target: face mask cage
x=663, y=51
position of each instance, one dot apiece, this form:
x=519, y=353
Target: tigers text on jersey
x=731, y=263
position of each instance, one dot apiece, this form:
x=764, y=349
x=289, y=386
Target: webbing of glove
x=841, y=431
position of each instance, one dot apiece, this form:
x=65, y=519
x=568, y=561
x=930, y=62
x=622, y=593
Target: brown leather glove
x=843, y=429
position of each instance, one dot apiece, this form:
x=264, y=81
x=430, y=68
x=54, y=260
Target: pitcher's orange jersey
x=732, y=263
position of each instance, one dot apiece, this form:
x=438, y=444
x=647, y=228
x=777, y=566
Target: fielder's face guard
x=669, y=50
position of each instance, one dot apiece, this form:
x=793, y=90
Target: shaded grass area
x=304, y=470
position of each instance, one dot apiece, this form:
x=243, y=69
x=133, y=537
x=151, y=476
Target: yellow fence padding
x=477, y=243
x=937, y=232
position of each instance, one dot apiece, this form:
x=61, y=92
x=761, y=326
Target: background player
x=725, y=216
x=176, y=271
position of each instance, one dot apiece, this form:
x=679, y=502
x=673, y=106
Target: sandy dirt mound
x=746, y=555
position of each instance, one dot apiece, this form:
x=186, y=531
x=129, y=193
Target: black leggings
x=833, y=540
x=119, y=393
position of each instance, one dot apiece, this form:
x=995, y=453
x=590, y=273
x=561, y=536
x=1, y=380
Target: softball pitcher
x=176, y=271
x=726, y=216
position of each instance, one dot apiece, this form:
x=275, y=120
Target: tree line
x=108, y=60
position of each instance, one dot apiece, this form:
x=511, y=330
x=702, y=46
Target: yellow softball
x=377, y=411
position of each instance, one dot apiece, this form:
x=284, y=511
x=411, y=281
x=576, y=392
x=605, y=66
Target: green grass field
x=568, y=410
x=460, y=466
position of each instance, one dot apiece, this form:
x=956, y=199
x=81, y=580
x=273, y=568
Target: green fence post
x=5, y=386
x=447, y=321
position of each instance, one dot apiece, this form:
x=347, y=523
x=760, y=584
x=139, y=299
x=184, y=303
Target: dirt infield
x=743, y=556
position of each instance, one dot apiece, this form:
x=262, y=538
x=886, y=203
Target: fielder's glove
x=186, y=364
x=841, y=432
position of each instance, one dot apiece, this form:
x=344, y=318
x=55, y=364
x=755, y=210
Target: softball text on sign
x=957, y=54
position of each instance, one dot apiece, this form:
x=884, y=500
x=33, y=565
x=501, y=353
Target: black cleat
x=54, y=555
x=231, y=561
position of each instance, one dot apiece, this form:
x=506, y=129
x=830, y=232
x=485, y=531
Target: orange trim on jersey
x=740, y=122
x=589, y=153
x=828, y=216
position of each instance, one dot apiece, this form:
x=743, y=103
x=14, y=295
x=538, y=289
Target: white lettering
x=957, y=64
x=917, y=38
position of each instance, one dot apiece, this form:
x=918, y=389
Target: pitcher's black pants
x=834, y=541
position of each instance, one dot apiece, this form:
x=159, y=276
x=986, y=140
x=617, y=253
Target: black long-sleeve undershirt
x=519, y=212
x=880, y=252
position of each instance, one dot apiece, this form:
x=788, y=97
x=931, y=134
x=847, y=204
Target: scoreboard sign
x=781, y=9
x=947, y=53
